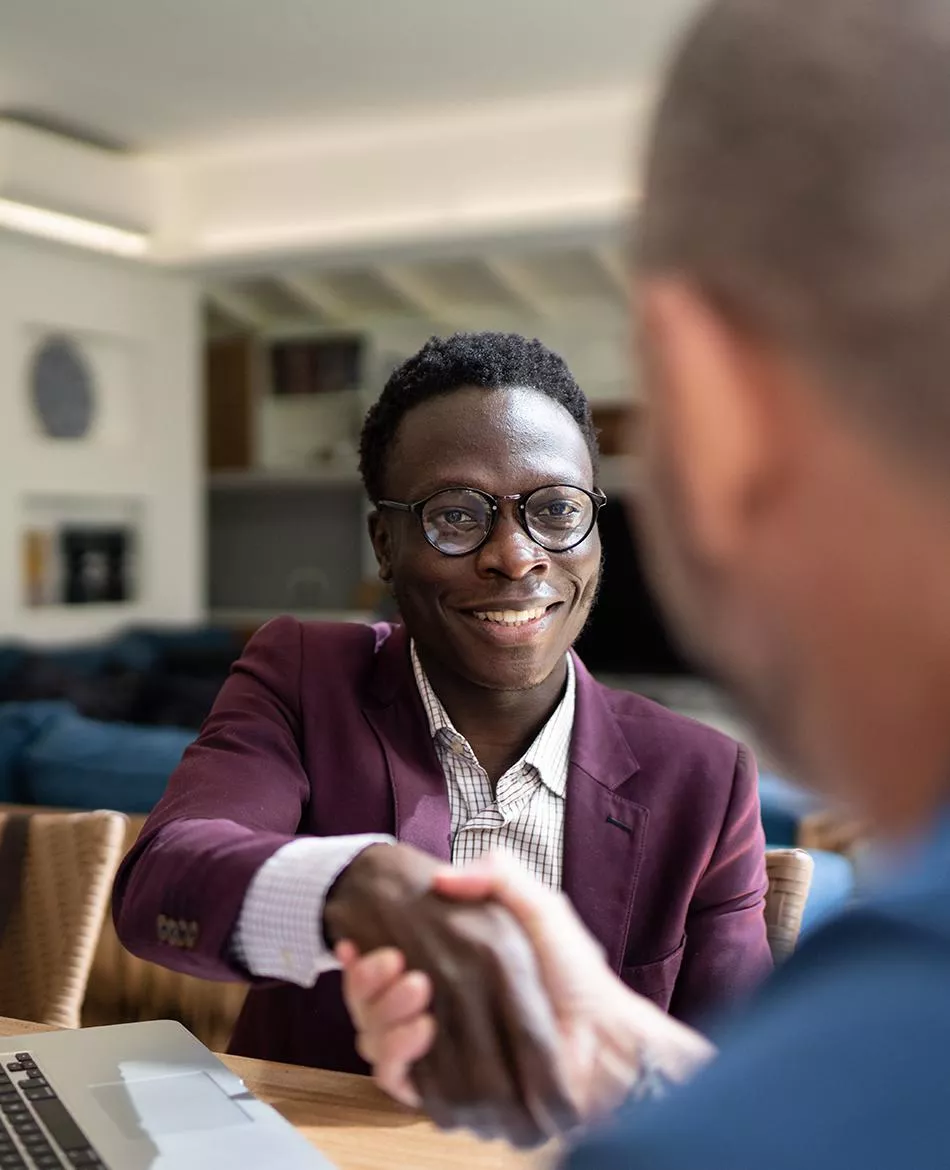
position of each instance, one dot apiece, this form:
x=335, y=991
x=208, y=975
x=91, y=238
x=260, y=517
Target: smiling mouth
x=512, y=618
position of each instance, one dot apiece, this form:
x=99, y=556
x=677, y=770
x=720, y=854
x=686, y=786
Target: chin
x=510, y=673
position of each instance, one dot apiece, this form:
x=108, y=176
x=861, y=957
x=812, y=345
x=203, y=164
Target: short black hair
x=491, y=361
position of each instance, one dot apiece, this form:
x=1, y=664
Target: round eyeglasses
x=457, y=521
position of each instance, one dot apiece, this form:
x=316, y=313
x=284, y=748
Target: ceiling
x=189, y=75
x=178, y=72
x=552, y=292
x=482, y=290
x=572, y=298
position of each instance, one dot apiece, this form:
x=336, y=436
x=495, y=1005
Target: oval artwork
x=62, y=389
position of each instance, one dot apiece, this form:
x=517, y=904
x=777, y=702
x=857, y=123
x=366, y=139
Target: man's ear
x=710, y=429
x=381, y=539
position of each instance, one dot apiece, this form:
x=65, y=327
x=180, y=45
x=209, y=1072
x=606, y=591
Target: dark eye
x=454, y=518
x=558, y=514
x=560, y=508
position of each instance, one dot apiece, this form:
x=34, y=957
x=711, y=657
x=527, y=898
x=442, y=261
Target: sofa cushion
x=79, y=763
x=127, y=651
x=198, y=651
x=20, y=724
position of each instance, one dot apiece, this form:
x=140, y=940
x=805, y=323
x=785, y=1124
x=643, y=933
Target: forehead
x=502, y=441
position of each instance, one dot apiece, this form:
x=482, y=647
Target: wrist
x=347, y=877
x=640, y=1050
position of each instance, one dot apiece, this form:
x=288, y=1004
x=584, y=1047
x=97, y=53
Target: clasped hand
x=479, y=996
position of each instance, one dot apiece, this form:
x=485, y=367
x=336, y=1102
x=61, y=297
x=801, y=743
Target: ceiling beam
x=240, y=308
x=614, y=267
x=420, y=296
x=318, y=297
x=520, y=284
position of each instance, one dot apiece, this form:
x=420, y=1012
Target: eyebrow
x=478, y=484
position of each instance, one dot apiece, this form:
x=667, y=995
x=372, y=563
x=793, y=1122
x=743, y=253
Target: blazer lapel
x=604, y=830
x=395, y=712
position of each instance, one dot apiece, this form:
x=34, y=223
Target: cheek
x=420, y=580
x=583, y=577
x=413, y=591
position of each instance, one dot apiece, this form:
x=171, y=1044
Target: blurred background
x=221, y=226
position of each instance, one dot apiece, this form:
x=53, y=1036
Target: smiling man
x=469, y=728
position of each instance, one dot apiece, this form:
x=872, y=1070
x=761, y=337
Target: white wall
x=140, y=330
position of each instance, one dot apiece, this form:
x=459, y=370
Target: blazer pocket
x=656, y=980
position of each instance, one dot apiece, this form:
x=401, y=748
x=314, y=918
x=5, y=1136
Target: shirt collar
x=548, y=754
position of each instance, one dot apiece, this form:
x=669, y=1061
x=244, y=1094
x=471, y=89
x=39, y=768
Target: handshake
x=480, y=997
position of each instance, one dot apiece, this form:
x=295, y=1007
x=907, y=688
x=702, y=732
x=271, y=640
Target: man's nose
x=510, y=551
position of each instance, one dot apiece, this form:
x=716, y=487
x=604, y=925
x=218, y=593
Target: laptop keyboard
x=37, y=1132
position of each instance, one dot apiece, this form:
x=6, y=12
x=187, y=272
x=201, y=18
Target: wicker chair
x=123, y=988
x=51, y=935
x=789, y=873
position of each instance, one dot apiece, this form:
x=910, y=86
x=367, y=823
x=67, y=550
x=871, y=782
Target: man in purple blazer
x=471, y=728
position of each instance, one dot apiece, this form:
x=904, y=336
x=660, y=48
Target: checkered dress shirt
x=524, y=816
x=279, y=932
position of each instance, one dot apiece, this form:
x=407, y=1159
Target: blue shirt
x=843, y=1060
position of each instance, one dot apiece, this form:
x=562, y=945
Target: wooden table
x=350, y=1121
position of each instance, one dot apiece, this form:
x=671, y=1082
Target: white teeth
x=510, y=617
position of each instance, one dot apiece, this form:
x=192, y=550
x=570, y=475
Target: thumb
x=468, y=883
x=541, y=913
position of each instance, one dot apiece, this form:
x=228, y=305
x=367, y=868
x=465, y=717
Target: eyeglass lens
x=457, y=521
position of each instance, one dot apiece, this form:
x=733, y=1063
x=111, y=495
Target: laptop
x=131, y=1096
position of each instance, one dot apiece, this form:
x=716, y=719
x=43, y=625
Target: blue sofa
x=51, y=755
x=63, y=740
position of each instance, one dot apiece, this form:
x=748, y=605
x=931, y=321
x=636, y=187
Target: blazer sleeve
x=727, y=952
x=235, y=799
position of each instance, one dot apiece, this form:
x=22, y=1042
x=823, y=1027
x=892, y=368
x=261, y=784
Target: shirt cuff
x=279, y=932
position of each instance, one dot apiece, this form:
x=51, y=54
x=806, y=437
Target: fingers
x=346, y=953
x=388, y=1006
x=367, y=978
x=380, y=994
x=466, y=1079
x=403, y=1001
x=539, y=1067
x=472, y=883
x=567, y=957
x=393, y=1053
x=452, y=1044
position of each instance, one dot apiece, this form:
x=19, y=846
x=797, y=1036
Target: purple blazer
x=320, y=730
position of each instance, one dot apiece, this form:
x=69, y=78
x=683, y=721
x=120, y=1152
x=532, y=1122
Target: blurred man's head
x=794, y=309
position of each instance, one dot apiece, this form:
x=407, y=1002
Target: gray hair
x=799, y=174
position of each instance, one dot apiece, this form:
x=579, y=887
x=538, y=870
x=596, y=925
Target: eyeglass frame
x=595, y=495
